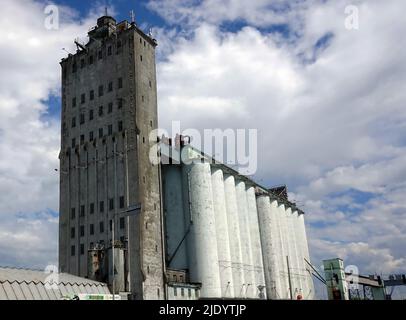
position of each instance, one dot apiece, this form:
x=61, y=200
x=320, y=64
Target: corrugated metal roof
x=25, y=284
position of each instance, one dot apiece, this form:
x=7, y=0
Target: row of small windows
x=101, y=133
x=82, y=117
x=91, y=228
x=100, y=92
x=91, y=58
x=101, y=207
x=182, y=292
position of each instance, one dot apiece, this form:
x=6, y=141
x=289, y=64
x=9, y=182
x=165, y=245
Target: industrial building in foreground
x=161, y=231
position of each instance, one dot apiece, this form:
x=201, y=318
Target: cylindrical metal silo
x=223, y=244
x=269, y=252
x=234, y=236
x=256, y=244
x=249, y=274
x=201, y=238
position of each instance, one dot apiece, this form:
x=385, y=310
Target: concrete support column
x=223, y=244
x=249, y=274
x=202, y=242
x=234, y=236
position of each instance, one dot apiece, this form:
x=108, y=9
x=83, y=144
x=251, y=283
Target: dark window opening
x=82, y=249
x=91, y=229
x=73, y=122
x=101, y=227
x=82, y=211
x=101, y=133
x=111, y=204
x=110, y=129
x=91, y=209
x=91, y=94
x=120, y=83
x=91, y=60
x=100, y=91
x=73, y=102
x=82, y=98
x=121, y=202
x=82, y=118
x=120, y=126
x=100, y=111
x=109, y=50
x=122, y=223
x=73, y=142
x=82, y=139
x=82, y=231
x=120, y=103
x=101, y=206
x=91, y=138
x=110, y=86
x=72, y=233
x=110, y=107
x=72, y=250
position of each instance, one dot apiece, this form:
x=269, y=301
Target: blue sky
x=328, y=103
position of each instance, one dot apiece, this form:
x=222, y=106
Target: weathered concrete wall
x=93, y=174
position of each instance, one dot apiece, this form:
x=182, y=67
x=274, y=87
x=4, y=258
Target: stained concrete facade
x=109, y=108
x=229, y=234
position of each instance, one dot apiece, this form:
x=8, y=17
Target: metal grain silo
x=300, y=255
x=293, y=255
x=223, y=244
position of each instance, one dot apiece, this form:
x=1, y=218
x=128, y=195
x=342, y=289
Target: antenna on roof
x=132, y=16
x=105, y=11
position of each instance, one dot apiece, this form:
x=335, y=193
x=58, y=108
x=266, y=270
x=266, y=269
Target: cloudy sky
x=329, y=103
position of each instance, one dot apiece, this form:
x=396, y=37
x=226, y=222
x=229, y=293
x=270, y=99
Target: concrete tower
x=109, y=108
